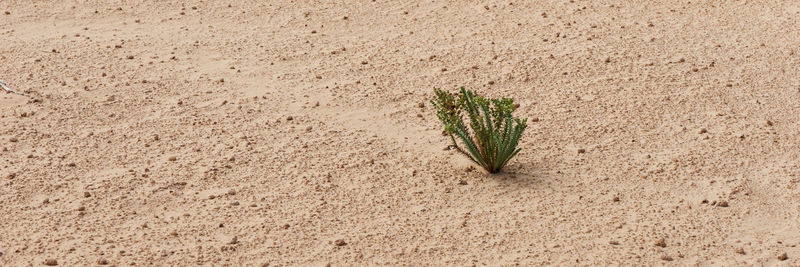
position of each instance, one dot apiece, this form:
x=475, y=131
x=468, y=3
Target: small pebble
x=13, y=140
x=739, y=251
x=340, y=242
x=608, y=59
x=81, y=208
x=50, y=262
x=289, y=118
x=102, y=261
x=666, y=258
x=769, y=123
x=581, y=151
x=661, y=243
x=613, y=242
x=172, y=158
x=87, y=194
x=702, y=131
x=233, y=241
x=783, y=256
x=722, y=204
x=130, y=57
x=235, y=203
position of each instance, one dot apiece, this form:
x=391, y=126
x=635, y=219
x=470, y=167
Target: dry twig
x=8, y=89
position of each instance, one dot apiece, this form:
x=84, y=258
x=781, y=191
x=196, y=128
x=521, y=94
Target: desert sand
x=300, y=133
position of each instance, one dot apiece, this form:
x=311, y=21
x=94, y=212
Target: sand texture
x=289, y=133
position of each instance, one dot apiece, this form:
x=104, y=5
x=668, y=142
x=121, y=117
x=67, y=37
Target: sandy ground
x=285, y=133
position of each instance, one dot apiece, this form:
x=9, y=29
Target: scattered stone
x=50, y=262
x=308, y=129
x=491, y=82
x=534, y=119
x=613, y=242
x=783, y=256
x=102, y=261
x=173, y=233
x=444, y=69
x=581, y=151
x=289, y=118
x=130, y=57
x=172, y=158
x=769, y=123
x=616, y=199
x=608, y=59
x=81, y=208
x=234, y=241
x=462, y=182
x=7, y=12
x=13, y=140
x=364, y=63
x=235, y=203
x=739, y=251
x=286, y=226
x=666, y=258
x=661, y=243
x=87, y=194
x=339, y=242
x=702, y=131
x=421, y=105
x=722, y=203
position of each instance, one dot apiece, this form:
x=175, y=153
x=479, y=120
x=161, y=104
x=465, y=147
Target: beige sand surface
x=298, y=133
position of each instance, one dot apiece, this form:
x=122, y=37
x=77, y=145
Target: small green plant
x=494, y=135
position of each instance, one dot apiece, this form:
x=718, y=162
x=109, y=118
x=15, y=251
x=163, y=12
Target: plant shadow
x=523, y=175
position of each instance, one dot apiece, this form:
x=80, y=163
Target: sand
x=299, y=133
